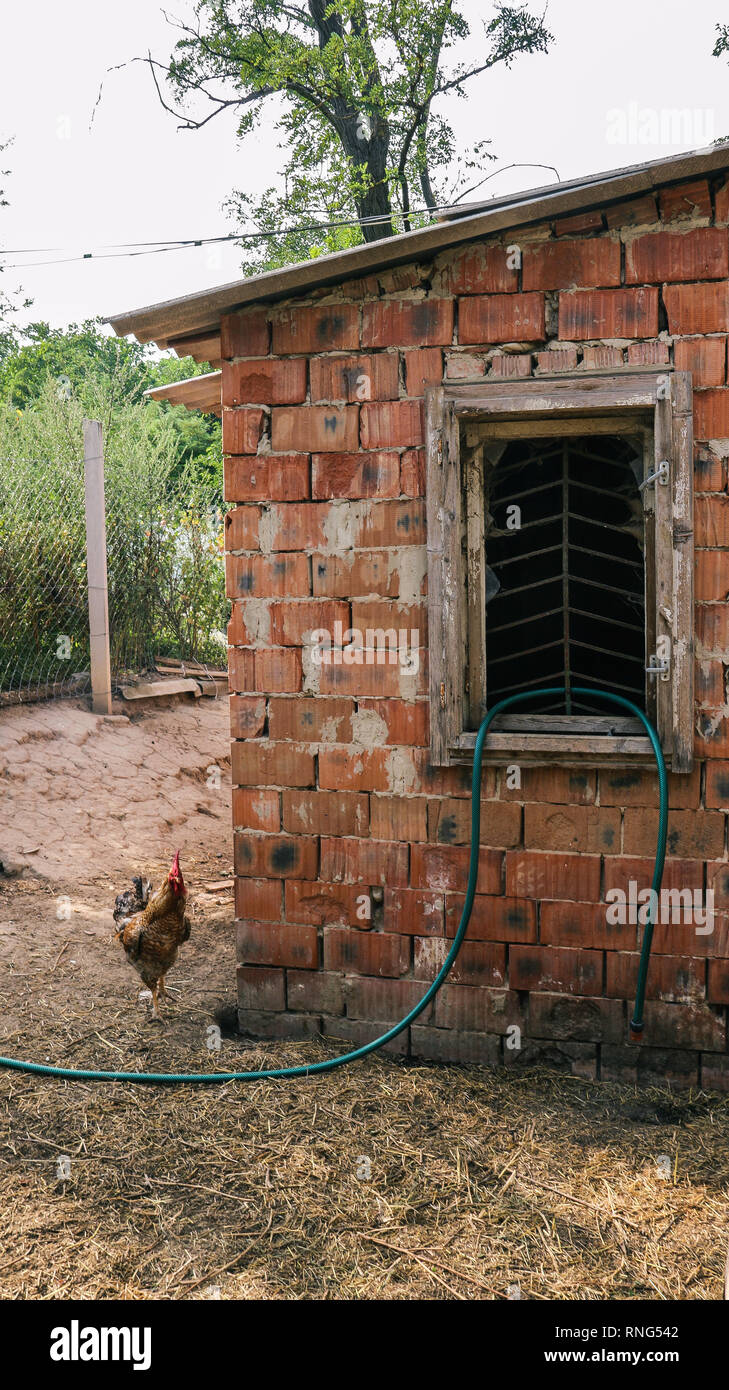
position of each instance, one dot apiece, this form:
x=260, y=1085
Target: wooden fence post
x=96, y=567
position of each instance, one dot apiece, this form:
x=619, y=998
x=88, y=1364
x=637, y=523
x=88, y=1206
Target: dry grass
x=479, y=1180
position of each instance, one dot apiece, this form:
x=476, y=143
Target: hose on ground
x=316, y=1068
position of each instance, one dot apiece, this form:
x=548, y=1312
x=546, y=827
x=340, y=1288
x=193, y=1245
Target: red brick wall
x=334, y=797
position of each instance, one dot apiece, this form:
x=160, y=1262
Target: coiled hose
x=314, y=1068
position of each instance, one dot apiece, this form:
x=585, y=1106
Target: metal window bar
x=614, y=622
x=571, y=464
x=531, y=555
x=531, y=618
x=544, y=647
x=613, y=559
x=523, y=685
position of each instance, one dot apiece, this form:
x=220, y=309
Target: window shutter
x=674, y=569
x=682, y=502
x=664, y=567
x=445, y=576
x=476, y=583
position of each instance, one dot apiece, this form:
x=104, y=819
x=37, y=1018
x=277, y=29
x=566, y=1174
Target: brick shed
x=483, y=457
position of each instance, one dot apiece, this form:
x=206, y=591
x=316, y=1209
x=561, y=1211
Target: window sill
x=614, y=741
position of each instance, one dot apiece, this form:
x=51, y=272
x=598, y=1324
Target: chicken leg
x=155, y=1002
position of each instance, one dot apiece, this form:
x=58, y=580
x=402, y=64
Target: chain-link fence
x=44, y=624
x=166, y=578
x=165, y=574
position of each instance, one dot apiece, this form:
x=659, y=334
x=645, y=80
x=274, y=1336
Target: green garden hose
x=636, y=1026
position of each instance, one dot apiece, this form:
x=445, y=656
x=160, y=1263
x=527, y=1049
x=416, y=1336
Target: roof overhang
x=192, y=324
x=195, y=392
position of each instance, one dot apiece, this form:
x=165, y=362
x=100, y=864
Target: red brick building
x=460, y=463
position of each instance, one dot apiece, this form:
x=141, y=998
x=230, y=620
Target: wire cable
x=122, y=249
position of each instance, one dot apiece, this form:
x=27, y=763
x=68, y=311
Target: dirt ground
x=385, y=1180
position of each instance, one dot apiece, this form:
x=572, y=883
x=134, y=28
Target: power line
x=227, y=236
x=127, y=249
x=155, y=248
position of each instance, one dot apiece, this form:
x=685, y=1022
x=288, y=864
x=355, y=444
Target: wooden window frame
x=657, y=404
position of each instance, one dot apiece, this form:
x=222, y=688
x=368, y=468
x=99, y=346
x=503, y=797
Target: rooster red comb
x=175, y=879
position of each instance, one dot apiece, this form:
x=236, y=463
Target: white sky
x=132, y=176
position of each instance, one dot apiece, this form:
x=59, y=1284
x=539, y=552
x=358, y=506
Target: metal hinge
x=658, y=667
x=442, y=695
x=660, y=475
x=439, y=449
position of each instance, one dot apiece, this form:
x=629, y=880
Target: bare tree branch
x=465, y=192
x=221, y=103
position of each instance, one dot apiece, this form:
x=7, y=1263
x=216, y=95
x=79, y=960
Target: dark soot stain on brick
x=624, y=782
x=424, y=316
x=370, y=472
x=284, y=856
x=329, y=326
x=447, y=830
x=722, y=785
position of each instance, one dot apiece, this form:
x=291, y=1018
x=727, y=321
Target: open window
x=560, y=553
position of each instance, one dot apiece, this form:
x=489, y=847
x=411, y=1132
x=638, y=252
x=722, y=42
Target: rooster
x=152, y=937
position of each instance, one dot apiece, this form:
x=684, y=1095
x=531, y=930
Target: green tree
x=722, y=43
x=102, y=372
x=360, y=82
x=73, y=357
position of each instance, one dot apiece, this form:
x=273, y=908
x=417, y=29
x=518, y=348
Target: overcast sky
x=602, y=98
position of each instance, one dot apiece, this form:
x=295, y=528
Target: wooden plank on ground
x=155, y=690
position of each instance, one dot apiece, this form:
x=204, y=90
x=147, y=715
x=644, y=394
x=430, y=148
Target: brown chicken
x=152, y=937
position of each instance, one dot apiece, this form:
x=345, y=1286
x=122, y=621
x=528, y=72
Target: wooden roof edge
x=200, y=312
x=196, y=392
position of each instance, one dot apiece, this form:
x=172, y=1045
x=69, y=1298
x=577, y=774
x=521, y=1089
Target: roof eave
x=195, y=393
x=200, y=312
